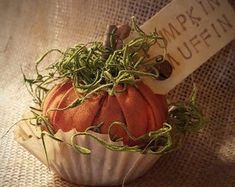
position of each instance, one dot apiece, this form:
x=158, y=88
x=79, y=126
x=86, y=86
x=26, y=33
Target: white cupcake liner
x=101, y=167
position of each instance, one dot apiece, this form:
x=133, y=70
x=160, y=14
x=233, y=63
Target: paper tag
x=195, y=30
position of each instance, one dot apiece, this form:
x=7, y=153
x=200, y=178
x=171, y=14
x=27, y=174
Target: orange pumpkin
x=138, y=107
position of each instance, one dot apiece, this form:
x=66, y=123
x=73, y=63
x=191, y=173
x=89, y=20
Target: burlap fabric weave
x=29, y=28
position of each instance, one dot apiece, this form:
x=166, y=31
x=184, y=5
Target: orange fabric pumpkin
x=138, y=107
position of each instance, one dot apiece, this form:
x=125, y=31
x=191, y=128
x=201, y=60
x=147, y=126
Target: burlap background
x=29, y=28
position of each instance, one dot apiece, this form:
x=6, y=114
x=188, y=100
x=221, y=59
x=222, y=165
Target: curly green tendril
x=91, y=72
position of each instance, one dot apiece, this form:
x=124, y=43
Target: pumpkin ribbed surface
x=138, y=108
